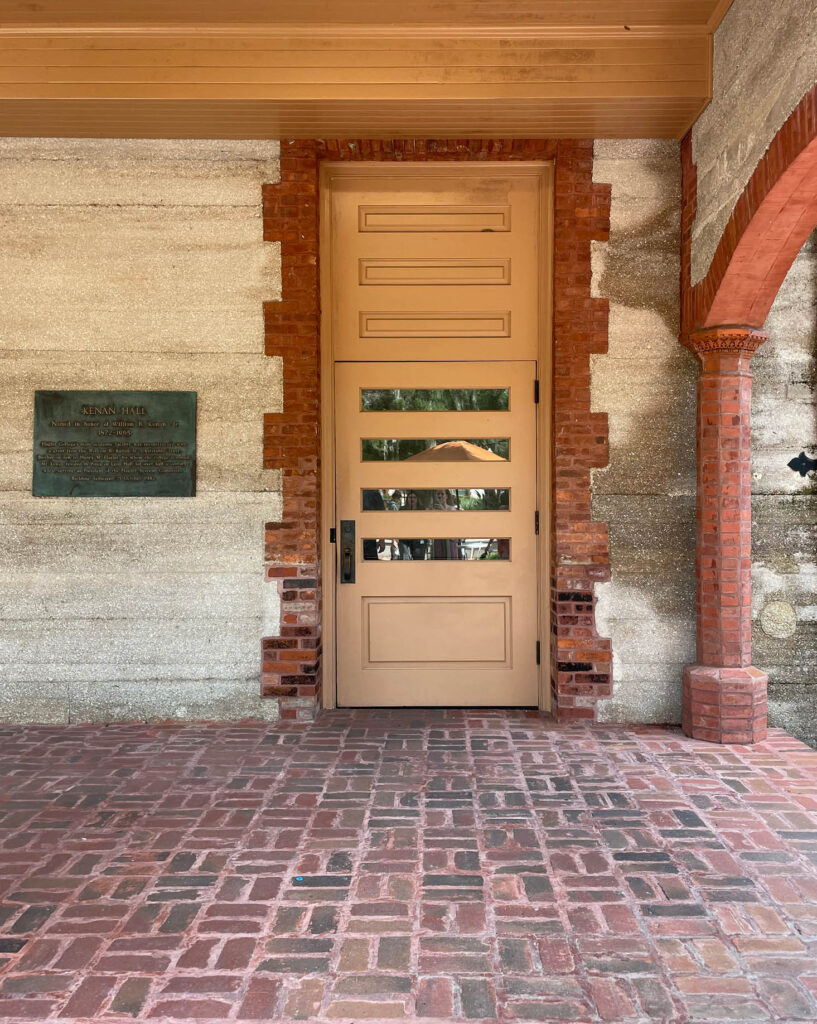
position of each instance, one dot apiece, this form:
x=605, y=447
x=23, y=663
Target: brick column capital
x=720, y=349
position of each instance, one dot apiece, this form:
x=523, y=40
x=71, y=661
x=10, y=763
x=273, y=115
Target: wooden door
x=436, y=484
x=435, y=296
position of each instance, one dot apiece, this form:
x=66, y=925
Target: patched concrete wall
x=765, y=61
x=784, y=504
x=646, y=385
x=136, y=265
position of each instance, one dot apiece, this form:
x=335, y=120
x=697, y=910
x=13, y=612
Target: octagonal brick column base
x=725, y=705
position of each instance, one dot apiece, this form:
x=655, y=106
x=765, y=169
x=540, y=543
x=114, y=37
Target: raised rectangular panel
x=435, y=272
x=434, y=218
x=435, y=325
x=453, y=632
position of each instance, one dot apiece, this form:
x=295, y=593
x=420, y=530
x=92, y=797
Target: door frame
x=330, y=171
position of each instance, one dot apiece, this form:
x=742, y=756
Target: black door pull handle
x=347, y=546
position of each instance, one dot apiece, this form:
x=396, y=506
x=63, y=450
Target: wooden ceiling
x=339, y=68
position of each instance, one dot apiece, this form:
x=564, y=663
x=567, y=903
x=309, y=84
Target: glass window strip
x=436, y=549
x=434, y=399
x=435, y=499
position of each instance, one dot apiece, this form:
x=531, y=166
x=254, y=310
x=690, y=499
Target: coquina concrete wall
x=784, y=504
x=140, y=265
x=136, y=265
x=764, y=61
x=646, y=385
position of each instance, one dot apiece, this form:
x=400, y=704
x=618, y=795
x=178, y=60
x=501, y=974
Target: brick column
x=724, y=696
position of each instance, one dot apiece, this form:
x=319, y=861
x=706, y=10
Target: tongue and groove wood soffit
x=370, y=68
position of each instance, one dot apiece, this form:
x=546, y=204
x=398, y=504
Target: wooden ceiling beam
x=317, y=14
x=454, y=66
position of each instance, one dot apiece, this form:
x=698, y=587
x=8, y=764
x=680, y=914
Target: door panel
x=451, y=271
x=443, y=609
x=455, y=630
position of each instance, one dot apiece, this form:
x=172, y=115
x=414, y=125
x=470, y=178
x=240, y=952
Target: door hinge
x=538, y=652
x=536, y=391
x=536, y=521
x=333, y=535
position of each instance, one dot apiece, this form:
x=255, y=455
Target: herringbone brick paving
x=405, y=865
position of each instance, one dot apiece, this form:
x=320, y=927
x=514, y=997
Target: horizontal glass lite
x=434, y=399
x=436, y=549
x=403, y=449
x=436, y=499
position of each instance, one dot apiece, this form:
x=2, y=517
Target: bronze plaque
x=118, y=444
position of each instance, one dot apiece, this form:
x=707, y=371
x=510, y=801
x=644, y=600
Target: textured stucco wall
x=646, y=384
x=764, y=61
x=784, y=505
x=136, y=265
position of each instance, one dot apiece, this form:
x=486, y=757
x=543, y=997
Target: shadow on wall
x=635, y=274
x=646, y=384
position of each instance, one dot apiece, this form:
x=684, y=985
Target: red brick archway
x=724, y=694
x=772, y=219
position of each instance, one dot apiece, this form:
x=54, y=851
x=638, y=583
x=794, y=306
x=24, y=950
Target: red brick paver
x=403, y=865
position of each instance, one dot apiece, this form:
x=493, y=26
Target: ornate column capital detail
x=738, y=340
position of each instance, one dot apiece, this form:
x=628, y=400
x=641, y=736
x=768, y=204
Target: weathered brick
x=356, y=1009
x=89, y=996
x=130, y=996
x=187, y=1009
x=304, y=1000
x=394, y=953
x=260, y=1001
x=478, y=999
x=435, y=998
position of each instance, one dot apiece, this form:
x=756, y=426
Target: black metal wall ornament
x=803, y=464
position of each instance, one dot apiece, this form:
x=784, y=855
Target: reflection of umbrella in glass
x=455, y=451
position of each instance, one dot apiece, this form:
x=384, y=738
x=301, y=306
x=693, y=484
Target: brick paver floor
x=405, y=864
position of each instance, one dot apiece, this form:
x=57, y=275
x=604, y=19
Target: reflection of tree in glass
x=382, y=449
x=490, y=499
x=433, y=399
x=433, y=549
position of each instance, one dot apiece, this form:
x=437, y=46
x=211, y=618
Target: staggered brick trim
x=724, y=697
x=772, y=219
x=581, y=659
x=291, y=661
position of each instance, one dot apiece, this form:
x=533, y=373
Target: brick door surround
x=581, y=671
x=724, y=696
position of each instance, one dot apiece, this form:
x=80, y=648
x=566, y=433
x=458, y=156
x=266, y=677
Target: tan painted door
x=437, y=599
x=435, y=296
